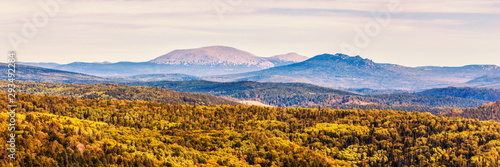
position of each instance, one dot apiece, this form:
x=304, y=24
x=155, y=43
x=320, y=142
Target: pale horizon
x=421, y=33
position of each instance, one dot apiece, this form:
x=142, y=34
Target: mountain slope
x=488, y=94
x=286, y=59
x=485, y=81
x=453, y=76
x=39, y=74
x=490, y=111
x=118, y=92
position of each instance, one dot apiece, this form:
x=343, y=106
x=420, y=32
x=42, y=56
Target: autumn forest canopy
x=66, y=131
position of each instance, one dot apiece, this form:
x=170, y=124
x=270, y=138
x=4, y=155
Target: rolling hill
x=488, y=94
x=117, y=92
x=308, y=95
x=490, y=111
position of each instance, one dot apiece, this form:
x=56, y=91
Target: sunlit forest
x=115, y=91
x=61, y=131
x=490, y=111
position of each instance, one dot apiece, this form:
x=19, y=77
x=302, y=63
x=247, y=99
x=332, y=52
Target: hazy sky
x=412, y=32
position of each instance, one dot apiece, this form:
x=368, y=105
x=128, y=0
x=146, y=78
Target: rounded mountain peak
x=212, y=55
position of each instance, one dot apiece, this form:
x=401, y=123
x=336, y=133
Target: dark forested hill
x=116, y=91
x=299, y=94
x=489, y=111
x=488, y=94
x=57, y=131
x=242, y=87
x=274, y=94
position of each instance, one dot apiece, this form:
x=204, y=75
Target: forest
x=308, y=95
x=490, y=111
x=274, y=94
x=116, y=91
x=66, y=131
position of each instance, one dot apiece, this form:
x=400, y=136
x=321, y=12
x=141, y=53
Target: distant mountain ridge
x=488, y=94
x=328, y=70
x=204, y=61
x=343, y=71
x=222, y=63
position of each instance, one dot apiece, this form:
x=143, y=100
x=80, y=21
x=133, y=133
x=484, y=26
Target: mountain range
x=226, y=64
x=343, y=71
x=205, y=61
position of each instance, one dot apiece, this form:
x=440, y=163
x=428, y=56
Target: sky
x=405, y=32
